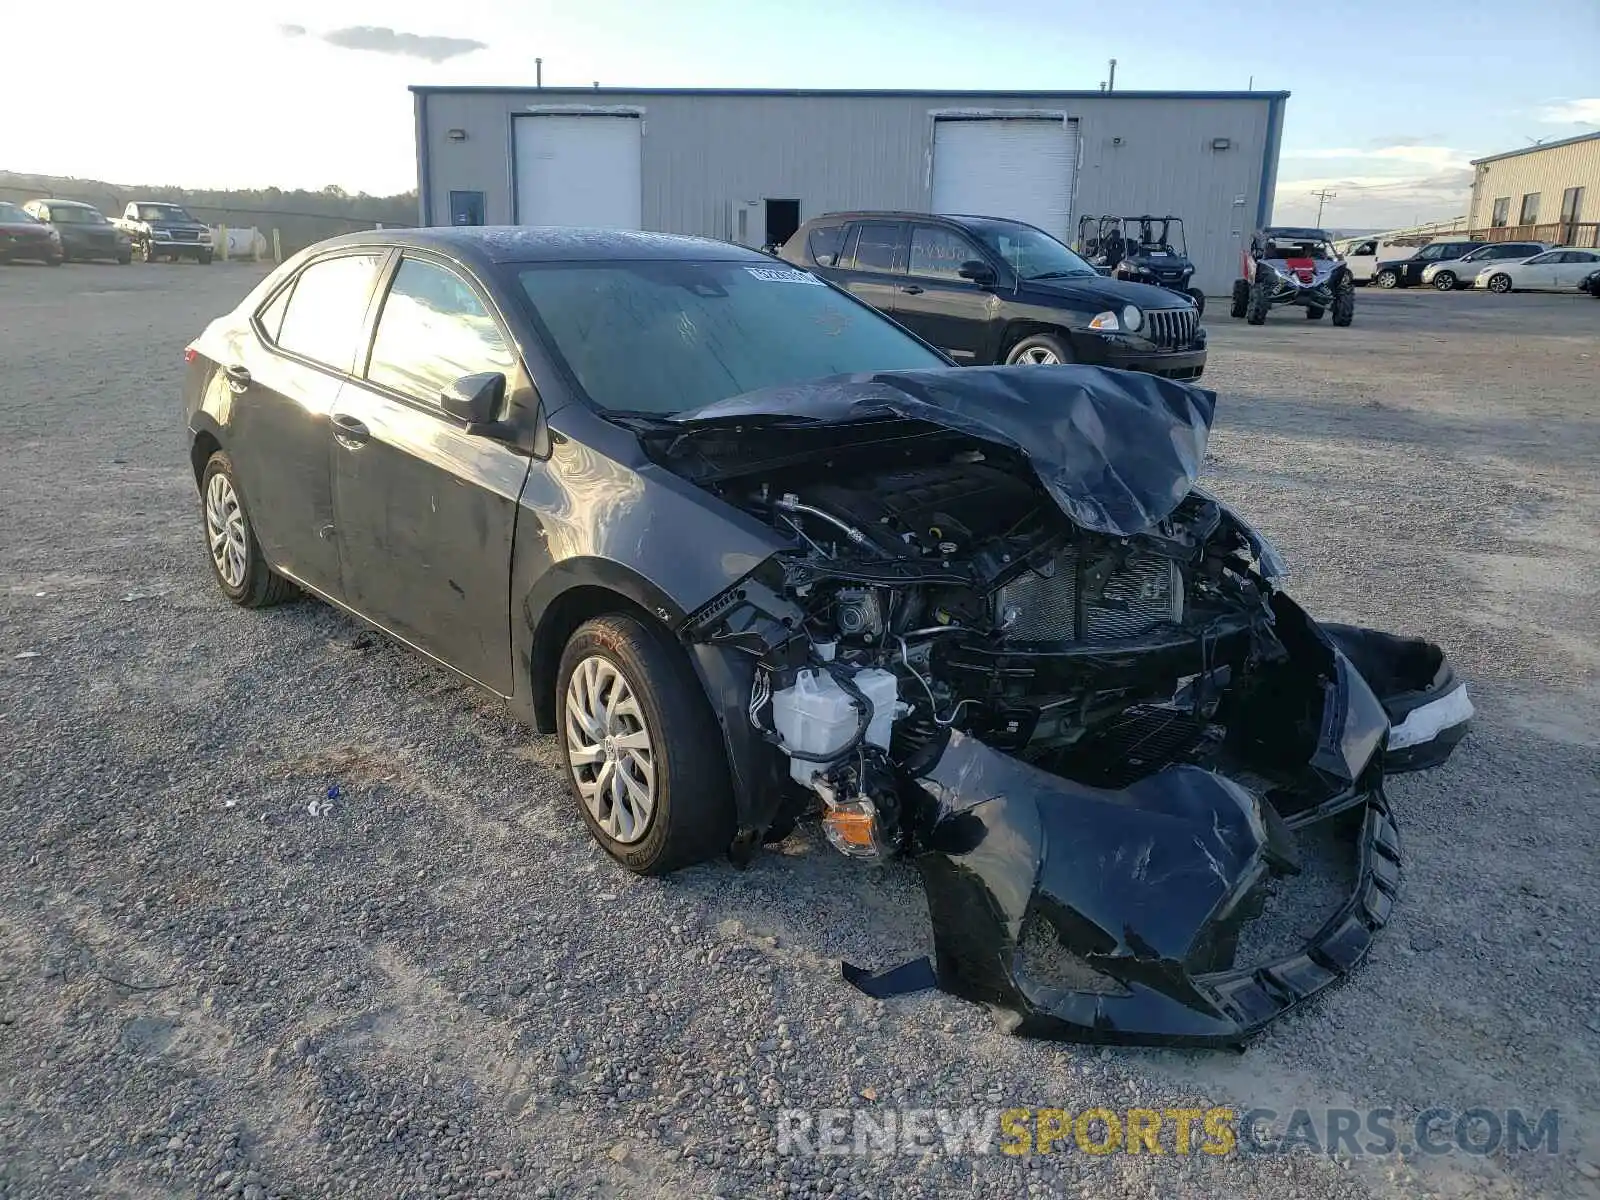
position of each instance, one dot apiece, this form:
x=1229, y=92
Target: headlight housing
x=1106, y=322
x=1132, y=318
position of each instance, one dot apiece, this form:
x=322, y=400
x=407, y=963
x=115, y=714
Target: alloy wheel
x=1038, y=356
x=225, y=530
x=1500, y=283
x=609, y=747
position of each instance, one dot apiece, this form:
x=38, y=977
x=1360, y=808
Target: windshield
x=1031, y=253
x=667, y=337
x=10, y=212
x=164, y=212
x=65, y=215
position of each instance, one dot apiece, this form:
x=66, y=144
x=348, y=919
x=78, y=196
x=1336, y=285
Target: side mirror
x=475, y=399
x=981, y=273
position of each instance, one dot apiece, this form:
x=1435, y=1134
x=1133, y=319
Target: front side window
x=1502, y=212
x=1431, y=253
x=10, y=212
x=875, y=246
x=1540, y=260
x=63, y=214
x=1030, y=252
x=671, y=336
x=938, y=253
x=1365, y=249
x=432, y=331
x=325, y=312
x=1530, y=208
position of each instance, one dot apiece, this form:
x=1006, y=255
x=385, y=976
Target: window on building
x=326, y=310
x=1502, y=212
x=876, y=247
x=938, y=253
x=1530, y=208
x=433, y=331
x=1571, y=204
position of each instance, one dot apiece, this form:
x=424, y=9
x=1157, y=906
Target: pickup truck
x=161, y=230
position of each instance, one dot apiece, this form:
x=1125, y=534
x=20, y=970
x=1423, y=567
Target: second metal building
x=749, y=166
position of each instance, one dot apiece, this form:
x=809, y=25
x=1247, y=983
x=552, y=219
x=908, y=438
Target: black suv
x=990, y=290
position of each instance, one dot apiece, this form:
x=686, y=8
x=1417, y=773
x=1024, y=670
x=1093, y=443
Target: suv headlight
x=1132, y=318
x=1106, y=322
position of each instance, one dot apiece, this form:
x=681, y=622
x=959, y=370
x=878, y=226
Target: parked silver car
x=1459, y=273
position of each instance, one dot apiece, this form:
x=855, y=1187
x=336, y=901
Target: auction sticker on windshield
x=783, y=275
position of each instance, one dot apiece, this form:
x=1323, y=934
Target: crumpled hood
x=1116, y=450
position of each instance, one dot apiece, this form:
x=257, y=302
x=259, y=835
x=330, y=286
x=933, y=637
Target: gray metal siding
x=704, y=154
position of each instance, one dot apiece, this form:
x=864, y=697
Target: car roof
x=54, y=203
x=548, y=243
x=895, y=215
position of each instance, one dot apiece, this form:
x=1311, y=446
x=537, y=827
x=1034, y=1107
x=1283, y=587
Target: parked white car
x=1555, y=270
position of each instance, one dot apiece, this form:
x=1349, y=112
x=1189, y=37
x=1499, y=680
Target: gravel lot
x=216, y=981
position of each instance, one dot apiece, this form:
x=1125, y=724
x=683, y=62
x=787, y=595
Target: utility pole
x=1111, y=80
x=1322, y=198
x=538, y=72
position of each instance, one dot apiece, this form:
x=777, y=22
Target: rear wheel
x=1240, y=299
x=1388, y=279
x=1040, y=350
x=643, y=754
x=1445, y=281
x=1255, y=312
x=1500, y=284
x=1344, y=303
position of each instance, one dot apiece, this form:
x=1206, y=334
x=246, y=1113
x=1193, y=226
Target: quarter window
x=434, y=330
x=876, y=247
x=824, y=243
x=938, y=254
x=325, y=313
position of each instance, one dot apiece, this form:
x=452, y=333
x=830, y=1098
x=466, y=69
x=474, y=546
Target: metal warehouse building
x=1549, y=192
x=748, y=166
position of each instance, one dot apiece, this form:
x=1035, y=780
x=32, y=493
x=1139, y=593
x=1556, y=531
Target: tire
x=1387, y=279
x=205, y=258
x=1500, y=284
x=1344, y=305
x=688, y=803
x=125, y=258
x=55, y=262
x=1199, y=299
x=1040, y=350
x=1445, y=281
x=240, y=570
x=1240, y=300
x=1260, y=303
x=1314, y=312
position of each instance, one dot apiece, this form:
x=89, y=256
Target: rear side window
x=875, y=247
x=824, y=243
x=325, y=312
x=434, y=330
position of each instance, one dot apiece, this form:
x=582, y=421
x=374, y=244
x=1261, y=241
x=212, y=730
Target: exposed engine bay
x=1027, y=651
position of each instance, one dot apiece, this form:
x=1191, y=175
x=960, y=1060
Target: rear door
x=425, y=511
x=1575, y=266
x=935, y=303
x=1538, y=272
x=872, y=265
x=285, y=376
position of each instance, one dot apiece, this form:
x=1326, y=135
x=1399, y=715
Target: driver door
x=425, y=511
x=939, y=306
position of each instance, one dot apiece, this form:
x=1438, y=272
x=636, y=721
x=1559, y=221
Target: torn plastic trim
x=1428, y=721
x=1428, y=707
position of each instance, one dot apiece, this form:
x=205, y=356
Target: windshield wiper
x=1061, y=274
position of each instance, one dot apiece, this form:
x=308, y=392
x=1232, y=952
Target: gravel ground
x=216, y=980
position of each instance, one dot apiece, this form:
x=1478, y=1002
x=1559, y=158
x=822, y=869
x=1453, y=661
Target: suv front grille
x=1171, y=328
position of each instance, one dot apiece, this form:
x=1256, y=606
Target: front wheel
x=1445, y=281
x=643, y=754
x=1344, y=305
x=1388, y=279
x=1040, y=350
x=1500, y=284
x=1240, y=300
x=124, y=258
x=1260, y=302
x=205, y=258
x=1199, y=299
x=236, y=560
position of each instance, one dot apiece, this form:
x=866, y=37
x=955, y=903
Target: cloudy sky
x=1391, y=98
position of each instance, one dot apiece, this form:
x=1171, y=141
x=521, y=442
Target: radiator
x=1145, y=593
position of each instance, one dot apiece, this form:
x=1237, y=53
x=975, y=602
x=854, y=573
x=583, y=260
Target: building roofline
x=843, y=93
x=1582, y=137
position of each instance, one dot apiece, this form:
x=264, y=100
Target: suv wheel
x=1344, y=304
x=1445, y=281
x=1040, y=350
x=643, y=754
x=1388, y=279
x=1255, y=312
x=1199, y=299
x=242, y=573
x=1500, y=283
x=1240, y=298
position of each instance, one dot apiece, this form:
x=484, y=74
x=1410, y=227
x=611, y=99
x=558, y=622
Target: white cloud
x=1433, y=156
x=1572, y=112
x=1376, y=201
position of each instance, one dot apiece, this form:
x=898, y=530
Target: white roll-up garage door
x=578, y=170
x=1006, y=167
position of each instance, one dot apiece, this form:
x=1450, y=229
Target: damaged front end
x=1014, y=641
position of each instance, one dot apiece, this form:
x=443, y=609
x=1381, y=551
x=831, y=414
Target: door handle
x=238, y=377
x=349, y=432
x=912, y=290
